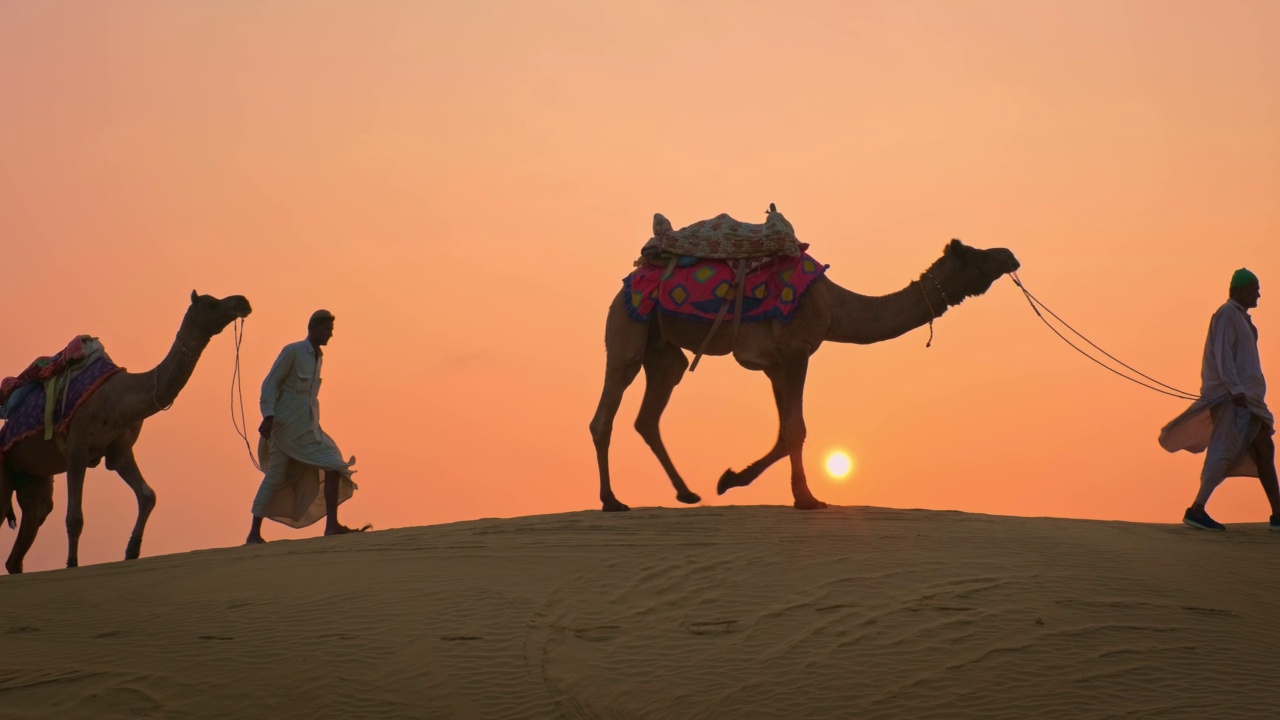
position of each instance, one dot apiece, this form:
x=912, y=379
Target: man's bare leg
x=255, y=532
x=1264, y=456
x=332, y=526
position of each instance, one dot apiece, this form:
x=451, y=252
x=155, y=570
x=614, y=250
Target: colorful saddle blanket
x=724, y=237
x=697, y=292
x=44, y=368
x=28, y=417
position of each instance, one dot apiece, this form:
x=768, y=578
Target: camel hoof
x=689, y=497
x=72, y=563
x=810, y=504
x=730, y=479
x=13, y=569
x=614, y=506
x=133, y=549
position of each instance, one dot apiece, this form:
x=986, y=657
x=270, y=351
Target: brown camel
x=826, y=312
x=107, y=425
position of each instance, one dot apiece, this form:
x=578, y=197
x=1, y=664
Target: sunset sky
x=465, y=184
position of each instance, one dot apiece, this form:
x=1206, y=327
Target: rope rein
x=932, y=315
x=155, y=395
x=1036, y=306
x=929, y=305
x=242, y=428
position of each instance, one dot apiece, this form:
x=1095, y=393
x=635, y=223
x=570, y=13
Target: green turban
x=1242, y=277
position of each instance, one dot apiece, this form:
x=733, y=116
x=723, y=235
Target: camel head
x=966, y=271
x=209, y=315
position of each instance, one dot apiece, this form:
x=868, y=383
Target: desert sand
x=717, y=612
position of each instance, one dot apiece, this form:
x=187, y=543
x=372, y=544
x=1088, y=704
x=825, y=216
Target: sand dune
x=725, y=612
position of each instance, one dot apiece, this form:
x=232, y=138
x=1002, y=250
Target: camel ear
x=193, y=296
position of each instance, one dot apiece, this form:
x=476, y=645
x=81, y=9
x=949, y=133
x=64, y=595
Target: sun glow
x=839, y=465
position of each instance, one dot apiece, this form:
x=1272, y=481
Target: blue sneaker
x=1200, y=519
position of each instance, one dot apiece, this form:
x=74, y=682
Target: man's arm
x=272, y=385
x=1223, y=330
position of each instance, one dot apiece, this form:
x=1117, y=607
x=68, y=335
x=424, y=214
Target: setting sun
x=839, y=465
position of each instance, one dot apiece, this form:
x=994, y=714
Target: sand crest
x=725, y=612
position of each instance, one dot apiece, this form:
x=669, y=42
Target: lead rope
x=242, y=429
x=1033, y=301
x=945, y=303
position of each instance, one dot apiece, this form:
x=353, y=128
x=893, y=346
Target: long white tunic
x=298, y=452
x=1231, y=366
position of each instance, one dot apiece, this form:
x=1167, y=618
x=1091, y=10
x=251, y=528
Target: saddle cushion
x=43, y=368
x=724, y=237
x=772, y=289
x=28, y=418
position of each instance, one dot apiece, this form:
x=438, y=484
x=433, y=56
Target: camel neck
x=155, y=390
x=865, y=319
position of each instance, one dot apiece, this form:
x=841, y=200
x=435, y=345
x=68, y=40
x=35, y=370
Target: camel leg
x=664, y=366
x=127, y=468
x=793, y=430
x=75, y=507
x=624, y=349
x=731, y=479
x=35, y=497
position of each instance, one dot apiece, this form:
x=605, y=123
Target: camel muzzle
x=1012, y=261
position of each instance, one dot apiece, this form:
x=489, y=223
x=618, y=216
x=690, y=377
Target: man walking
x=299, y=456
x=1231, y=419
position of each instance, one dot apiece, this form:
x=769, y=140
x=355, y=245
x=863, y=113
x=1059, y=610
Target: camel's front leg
x=794, y=431
x=75, y=500
x=127, y=467
x=731, y=479
x=35, y=497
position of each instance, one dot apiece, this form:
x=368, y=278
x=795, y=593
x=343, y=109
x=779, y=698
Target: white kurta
x=1231, y=366
x=298, y=452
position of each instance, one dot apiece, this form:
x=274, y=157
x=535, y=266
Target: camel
x=107, y=425
x=826, y=312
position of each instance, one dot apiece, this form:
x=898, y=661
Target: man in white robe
x=1231, y=419
x=300, y=457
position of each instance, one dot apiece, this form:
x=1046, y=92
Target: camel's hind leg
x=624, y=341
x=664, y=366
x=35, y=497
x=126, y=466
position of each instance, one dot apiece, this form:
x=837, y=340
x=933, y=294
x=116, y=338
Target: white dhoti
x=292, y=491
x=1225, y=431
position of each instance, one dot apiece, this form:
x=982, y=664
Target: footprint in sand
x=22, y=629
x=714, y=627
x=460, y=638
x=1210, y=611
x=599, y=633
x=214, y=637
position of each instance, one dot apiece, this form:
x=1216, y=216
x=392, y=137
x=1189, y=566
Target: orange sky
x=465, y=184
